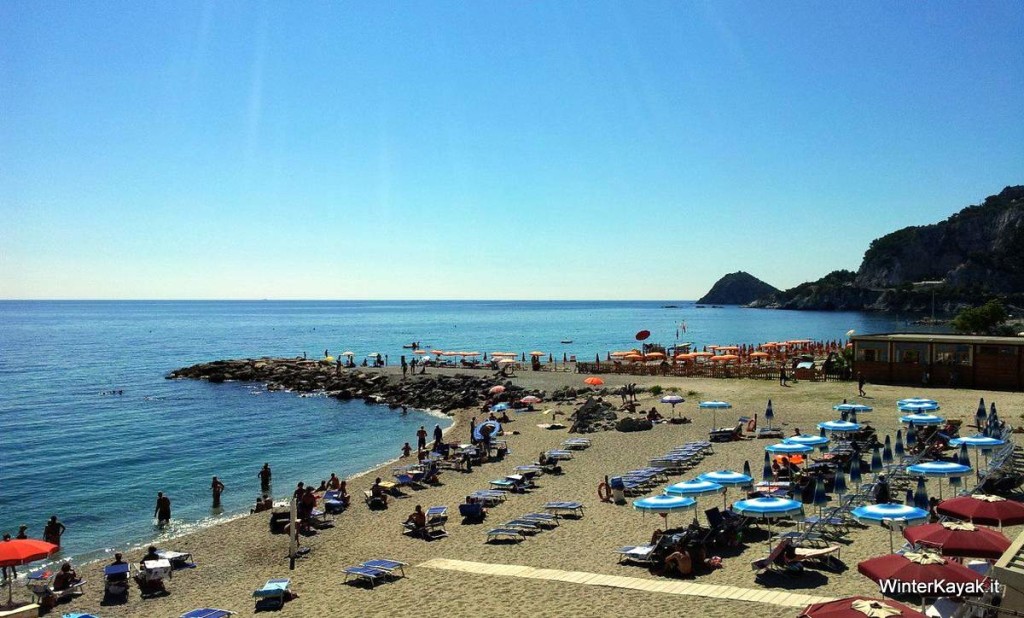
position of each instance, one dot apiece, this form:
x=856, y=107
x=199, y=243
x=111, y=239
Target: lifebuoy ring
x=604, y=492
x=751, y=425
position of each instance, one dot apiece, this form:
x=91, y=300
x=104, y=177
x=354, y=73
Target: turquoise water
x=97, y=460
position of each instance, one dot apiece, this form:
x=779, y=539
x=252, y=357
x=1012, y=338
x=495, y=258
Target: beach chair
x=643, y=554
x=818, y=552
x=385, y=564
x=542, y=519
x=506, y=485
x=513, y=534
x=437, y=517
x=273, y=593
x=150, y=578
x=472, y=512
x=768, y=562
x=178, y=560
x=366, y=574
x=576, y=444
x=207, y=612
x=565, y=508
x=40, y=585
x=117, y=580
x=333, y=504
x=525, y=525
x=944, y=607
x=559, y=454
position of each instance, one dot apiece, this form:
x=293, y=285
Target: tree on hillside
x=984, y=320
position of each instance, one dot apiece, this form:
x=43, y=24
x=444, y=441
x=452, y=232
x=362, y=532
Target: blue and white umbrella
x=917, y=401
x=898, y=445
x=980, y=443
x=714, y=406
x=921, y=494
x=876, y=461
x=922, y=419
x=788, y=449
x=887, y=451
x=962, y=457
x=665, y=504
x=807, y=440
x=478, y=432
x=911, y=436
x=746, y=472
x=855, y=472
x=672, y=400
x=981, y=413
x=939, y=469
x=820, y=497
x=694, y=488
x=768, y=509
x=839, y=484
x=857, y=408
x=919, y=407
x=882, y=514
x=840, y=426
x=769, y=414
x=728, y=478
x=766, y=471
x=499, y=407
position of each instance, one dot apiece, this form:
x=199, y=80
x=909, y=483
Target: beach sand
x=237, y=557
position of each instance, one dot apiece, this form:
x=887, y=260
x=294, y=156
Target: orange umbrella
x=725, y=358
x=696, y=354
x=438, y=352
x=633, y=357
x=419, y=351
x=593, y=381
x=758, y=355
x=655, y=356
x=471, y=354
x=688, y=356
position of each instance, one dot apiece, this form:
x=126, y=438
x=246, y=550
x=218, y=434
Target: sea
x=90, y=429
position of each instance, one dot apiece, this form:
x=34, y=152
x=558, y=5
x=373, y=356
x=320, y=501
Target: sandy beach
x=237, y=557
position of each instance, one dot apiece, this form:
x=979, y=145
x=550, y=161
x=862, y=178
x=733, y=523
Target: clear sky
x=562, y=150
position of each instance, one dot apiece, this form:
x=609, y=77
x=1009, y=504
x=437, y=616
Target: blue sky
x=568, y=150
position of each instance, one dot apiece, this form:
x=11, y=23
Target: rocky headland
x=738, y=288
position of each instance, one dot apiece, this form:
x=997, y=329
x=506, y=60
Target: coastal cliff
x=738, y=288
x=975, y=255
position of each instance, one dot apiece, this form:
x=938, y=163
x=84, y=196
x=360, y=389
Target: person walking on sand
x=782, y=376
x=53, y=531
x=421, y=438
x=438, y=436
x=265, y=475
x=216, y=488
x=860, y=384
x=162, y=512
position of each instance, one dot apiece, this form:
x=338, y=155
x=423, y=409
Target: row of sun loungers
x=532, y=523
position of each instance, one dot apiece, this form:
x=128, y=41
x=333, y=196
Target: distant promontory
x=739, y=288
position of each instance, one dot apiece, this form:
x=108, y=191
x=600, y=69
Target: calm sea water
x=97, y=460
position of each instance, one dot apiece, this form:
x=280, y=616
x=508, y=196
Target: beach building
x=968, y=361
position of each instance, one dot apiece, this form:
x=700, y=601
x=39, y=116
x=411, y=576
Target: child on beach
x=406, y=450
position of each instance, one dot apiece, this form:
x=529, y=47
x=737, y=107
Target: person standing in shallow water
x=421, y=437
x=265, y=476
x=53, y=531
x=217, y=488
x=162, y=512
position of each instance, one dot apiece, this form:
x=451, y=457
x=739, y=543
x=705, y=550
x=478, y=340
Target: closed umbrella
x=911, y=437
x=876, y=461
x=984, y=509
x=959, y=539
x=855, y=475
x=820, y=497
x=979, y=416
x=898, y=445
x=992, y=416
x=921, y=494
x=962, y=457
x=746, y=471
x=887, y=451
x=839, y=484
x=766, y=471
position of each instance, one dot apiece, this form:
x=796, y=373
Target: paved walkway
x=668, y=586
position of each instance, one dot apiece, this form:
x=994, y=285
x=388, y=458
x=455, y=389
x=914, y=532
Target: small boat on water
x=566, y=340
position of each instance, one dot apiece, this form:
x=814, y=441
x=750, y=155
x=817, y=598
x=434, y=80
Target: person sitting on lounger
x=150, y=555
x=334, y=482
x=343, y=493
x=117, y=577
x=417, y=522
x=66, y=578
x=378, y=494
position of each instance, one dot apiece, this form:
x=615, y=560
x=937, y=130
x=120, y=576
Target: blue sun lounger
x=207, y=612
x=569, y=508
x=366, y=574
x=385, y=564
x=273, y=591
x=514, y=534
x=542, y=519
x=559, y=454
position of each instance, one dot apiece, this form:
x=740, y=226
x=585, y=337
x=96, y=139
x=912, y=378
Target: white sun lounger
x=565, y=508
x=636, y=553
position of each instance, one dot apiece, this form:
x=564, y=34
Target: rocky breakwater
x=423, y=392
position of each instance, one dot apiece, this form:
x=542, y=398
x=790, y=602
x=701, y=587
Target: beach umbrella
x=984, y=509
x=840, y=426
x=876, y=461
x=821, y=431
x=898, y=445
x=499, y=407
x=593, y=381
x=927, y=568
x=806, y=440
x=887, y=451
x=992, y=416
x=783, y=448
x=769, y=414
x=855, y=472
x=889, y=514
x=695, y=489
x=962, y=457
x=665, y=504
x=766, y=471
x=979, y=443
x=820, y=497
x=768, y=509
x=530, y=400
x=672, y=400
x=857, y=408
x=839, y=484
x=939, y=469
x=17, y=552
x=478, y=431
x=728, y=478
x=919, y=407
x=714, y=406
x=922, y=419
x=921, y=494
x=860, y=607
x=496, y=390
x=979, y=416
x=959, y=539
x=917, y=401
x=911, y=436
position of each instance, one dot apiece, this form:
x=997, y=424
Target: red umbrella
x=495, y=390
x=22, y=551
x=922, y=568
x=859, y=607
x=983, y=509
x=961, y=539
x=594, y=381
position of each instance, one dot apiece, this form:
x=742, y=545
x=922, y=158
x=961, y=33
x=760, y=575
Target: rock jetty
x=424, y=392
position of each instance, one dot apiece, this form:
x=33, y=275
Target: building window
x=912, y=353
x=952, y=354
x=873, y=352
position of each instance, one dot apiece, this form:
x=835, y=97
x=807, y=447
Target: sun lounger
x=437, y=517
x=542, y=519
x=577, y=444
x=472, y=512
x=207, y=612
x=178, y=560
x=525, y=525
x=505, y=533
x=385, y=564
x=40, y=584
x=505, y=485
x=822, y=553
x=117, y=579
x=559, y=454
x=489, y=497
x=565, y=508
x=636, y=553
x=333, y=504
x=366, y=574
x=273, y=592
